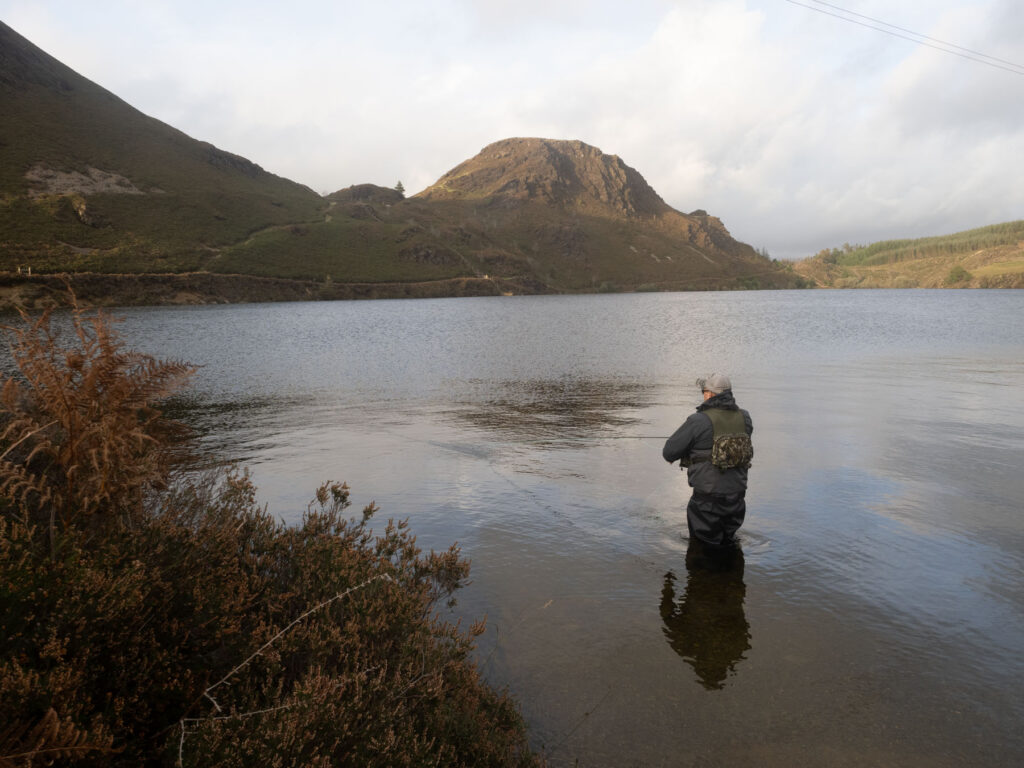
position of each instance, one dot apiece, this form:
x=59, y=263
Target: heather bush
x=155, y=618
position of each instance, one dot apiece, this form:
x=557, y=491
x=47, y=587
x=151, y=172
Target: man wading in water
x=714, y=447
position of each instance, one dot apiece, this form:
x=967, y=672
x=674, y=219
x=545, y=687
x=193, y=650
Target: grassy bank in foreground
x=154, y=617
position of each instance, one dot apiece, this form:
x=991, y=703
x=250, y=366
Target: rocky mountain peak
x=569, y=174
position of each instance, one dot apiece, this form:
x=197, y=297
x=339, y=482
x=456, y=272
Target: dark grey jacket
x=693, y=441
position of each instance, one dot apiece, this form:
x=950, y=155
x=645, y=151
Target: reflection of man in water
x=708, y=627
x=717, y=506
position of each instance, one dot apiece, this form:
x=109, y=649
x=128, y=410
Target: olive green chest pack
x=731, y=447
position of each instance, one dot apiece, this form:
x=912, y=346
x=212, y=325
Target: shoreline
x=100, y=289
x=95, y=289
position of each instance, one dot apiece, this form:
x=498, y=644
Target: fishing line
x=491, y=465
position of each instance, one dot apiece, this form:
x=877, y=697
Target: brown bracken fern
x=47, y=740
x=80, y=440
x=153, y=618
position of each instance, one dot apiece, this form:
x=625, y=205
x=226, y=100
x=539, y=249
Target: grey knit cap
x=716, y=382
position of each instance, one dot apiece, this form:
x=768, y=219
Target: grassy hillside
x=988, y=257
x=581, y=220
x=89, y=182
x=529, y=246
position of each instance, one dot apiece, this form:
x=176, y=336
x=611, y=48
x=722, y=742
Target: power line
x=955, y=50
x=918, y=34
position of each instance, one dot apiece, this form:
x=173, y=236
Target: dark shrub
x=151, y=621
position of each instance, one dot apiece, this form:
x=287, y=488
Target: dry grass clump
x=153, y=620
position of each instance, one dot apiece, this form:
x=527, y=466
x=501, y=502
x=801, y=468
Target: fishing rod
x=632, y=437
x=595, y=439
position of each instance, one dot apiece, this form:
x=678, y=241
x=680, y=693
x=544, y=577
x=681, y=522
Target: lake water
x=877, y=614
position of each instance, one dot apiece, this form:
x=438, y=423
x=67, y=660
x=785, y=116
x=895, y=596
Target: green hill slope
x=988, y=257
x=538, y=215
x=88, y=184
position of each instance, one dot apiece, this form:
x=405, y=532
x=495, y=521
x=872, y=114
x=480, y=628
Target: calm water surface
x=876, y=616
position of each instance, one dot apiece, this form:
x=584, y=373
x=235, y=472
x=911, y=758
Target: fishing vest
x=731, y=447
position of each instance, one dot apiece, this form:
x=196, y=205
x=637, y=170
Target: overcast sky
x=798, y=129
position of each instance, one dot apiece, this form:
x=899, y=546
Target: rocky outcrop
x=580, y=219
x=366, y=193
x=569, y=174
x=218, y=158
x=50, y=181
